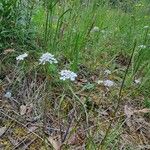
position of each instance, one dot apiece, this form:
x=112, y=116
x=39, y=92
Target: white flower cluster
x=67, y=74
x=107, y=83
x=95, y=29
x=47, y=57
x=137, y=81
x=142, y=46
x=21, y=57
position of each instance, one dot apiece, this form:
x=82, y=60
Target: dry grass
x=73, y=119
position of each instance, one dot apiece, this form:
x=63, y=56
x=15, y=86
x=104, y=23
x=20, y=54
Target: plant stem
x=101, y=146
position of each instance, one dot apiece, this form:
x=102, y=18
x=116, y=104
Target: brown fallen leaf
x=77, y=138
x=128, y=111
x=29, y=109
x=9, y=50
x=145, y=110
x=55, y=143
x=23, y=109
x=2, y=130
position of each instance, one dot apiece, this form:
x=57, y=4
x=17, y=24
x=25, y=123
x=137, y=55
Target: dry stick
x=70, y=119
x=119, y=99
x=63, y=138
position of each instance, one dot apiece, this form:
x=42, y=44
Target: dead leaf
x=56, y=144
x=23, y=109
x=128, y=111
x=9, y=50
x=29, y=109
x=145, y=110
x=2, y=130
x=77, y=138
x=122, y=59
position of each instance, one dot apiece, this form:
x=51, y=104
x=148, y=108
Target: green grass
x=65, y=30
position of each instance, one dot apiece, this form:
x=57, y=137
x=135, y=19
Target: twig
x=70, y=119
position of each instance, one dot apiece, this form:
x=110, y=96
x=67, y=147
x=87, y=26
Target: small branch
x=70, y=119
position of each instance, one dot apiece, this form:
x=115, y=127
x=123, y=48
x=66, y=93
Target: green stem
x=101, y=146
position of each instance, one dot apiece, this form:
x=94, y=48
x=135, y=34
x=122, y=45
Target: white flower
x=47, y=57
x=8, y=95
x=95, y=29
x=146, y=27
x=67, y=74
x=137, y=81
x=107, y=72
x=142, y=46
x=107, y=83
x=21, y=57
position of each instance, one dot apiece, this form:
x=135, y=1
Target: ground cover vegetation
x=75, y=74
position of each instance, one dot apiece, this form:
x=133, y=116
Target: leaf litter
x=100, y=107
